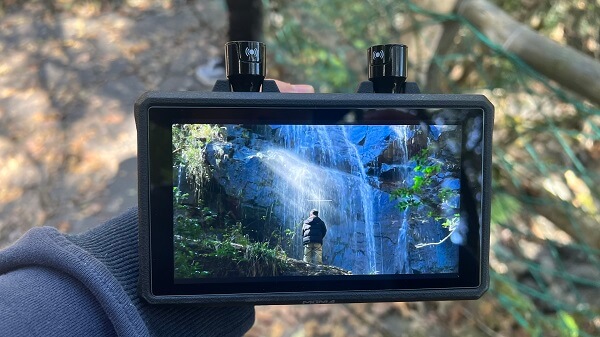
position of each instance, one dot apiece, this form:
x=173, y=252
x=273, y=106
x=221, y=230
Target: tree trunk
x=563, y=64
x=435, y=82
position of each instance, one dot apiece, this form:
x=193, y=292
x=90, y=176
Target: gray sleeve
x=57, y=285
x=39, y=301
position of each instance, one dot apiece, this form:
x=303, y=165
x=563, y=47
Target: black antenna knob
x=388, y=67
x=245, y=64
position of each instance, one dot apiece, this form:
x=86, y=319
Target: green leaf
x=571, y=329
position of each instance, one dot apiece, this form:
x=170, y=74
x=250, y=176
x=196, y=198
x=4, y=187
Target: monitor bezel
x=157, y=281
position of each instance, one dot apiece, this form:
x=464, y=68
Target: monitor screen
x=256, y=200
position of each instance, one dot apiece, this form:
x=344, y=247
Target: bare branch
x=421, y=245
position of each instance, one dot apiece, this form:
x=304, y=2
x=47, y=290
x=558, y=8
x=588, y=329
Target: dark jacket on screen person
x=313, y=230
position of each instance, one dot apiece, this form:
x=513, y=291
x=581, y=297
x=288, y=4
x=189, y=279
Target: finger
x=303, y=88
x=294, y=88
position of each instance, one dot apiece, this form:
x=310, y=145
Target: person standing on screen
x=313, y=232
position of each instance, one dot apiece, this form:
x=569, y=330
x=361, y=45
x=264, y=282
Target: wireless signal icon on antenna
x=252, y=53
x=378, y=54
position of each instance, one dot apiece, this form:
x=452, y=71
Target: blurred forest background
x=70, y=71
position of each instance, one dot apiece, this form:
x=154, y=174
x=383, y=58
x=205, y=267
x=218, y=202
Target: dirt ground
x=68, y=82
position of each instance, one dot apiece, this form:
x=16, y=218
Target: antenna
x=244, y=65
